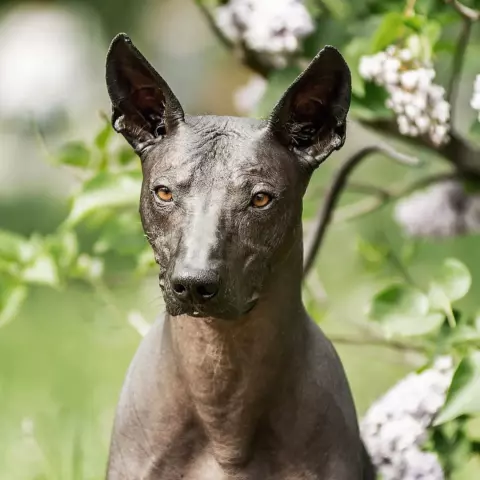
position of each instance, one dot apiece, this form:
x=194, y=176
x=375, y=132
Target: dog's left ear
x=143, y=105
x=310, y=118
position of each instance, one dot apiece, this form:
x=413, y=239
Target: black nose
x=197, y=286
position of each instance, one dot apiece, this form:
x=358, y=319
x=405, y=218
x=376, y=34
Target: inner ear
x=144, y=101
x=311, y=115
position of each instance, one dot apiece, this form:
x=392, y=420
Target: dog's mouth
x=210, y=310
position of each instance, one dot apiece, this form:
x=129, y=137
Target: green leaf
x=126, y=155
x=439, y=301
x=432, y=31
x=102, y=139
x=416, y=22
x=372, y=105
x=454, y=279
x=463, y=396
x=122, y=234
x=10, y=268
x=403, y=310
x=445, y=46
x=145, y=261
x=12, y=246
x=75, y=154
x=389, y=31
x=43, y=271
x=105, y=191
x=88, y=268
x=12, y=297
x=64, y=248
x=464, y=334
x=373, y=254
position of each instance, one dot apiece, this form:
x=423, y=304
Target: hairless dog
x=234, y=381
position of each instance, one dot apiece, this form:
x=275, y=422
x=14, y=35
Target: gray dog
x=235, y=381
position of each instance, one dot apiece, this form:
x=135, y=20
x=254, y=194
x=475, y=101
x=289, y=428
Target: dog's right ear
x=143, y=105
x=311, y=117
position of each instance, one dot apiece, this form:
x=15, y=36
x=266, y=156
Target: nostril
x=207, y=290
x=179, y=289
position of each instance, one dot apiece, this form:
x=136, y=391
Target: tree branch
x=247, y=57
x=466, y=12
x=324, y=218
x=458, y=151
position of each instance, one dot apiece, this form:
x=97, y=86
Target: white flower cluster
x=395, y=427
x=271, y=28
x=475, y=102
x=442, y=210
x=418, y=103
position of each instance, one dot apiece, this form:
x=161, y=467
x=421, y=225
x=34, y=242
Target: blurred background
x=66, y=343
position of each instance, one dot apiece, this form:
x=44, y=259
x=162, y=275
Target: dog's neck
x=233, y=368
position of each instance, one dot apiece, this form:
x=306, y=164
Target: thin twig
x=246, y=56
x=464, y=11
x=381, y=197
x=458, y=151
x=338, y=184
x=359, y=209
x=365, y=188
x=208, y=14
x=395, y=261
x=375, y=342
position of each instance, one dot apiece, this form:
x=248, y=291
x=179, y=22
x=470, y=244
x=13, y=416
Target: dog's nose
x=198, y=286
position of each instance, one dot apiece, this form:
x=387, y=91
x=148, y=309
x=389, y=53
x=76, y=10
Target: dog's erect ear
x=144, y=107
x=310, y=118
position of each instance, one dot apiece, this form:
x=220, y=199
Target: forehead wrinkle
x=211, y=126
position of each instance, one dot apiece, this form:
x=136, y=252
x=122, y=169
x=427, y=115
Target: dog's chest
x=205, y=467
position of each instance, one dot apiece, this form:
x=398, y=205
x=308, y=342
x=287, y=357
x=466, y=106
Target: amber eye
x=164, y=194
x=261, y=200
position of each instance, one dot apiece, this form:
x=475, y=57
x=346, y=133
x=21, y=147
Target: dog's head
x=221, y=201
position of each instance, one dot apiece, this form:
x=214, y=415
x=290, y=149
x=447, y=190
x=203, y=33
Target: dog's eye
x=261, y=200
x=164, y=194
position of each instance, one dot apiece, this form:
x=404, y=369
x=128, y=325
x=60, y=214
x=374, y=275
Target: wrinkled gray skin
x=235, y=381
